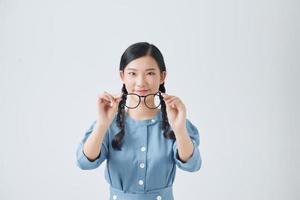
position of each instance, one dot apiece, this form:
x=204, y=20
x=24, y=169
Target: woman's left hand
x=176, y=112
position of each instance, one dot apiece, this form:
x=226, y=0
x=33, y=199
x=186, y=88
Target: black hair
x=133, y=52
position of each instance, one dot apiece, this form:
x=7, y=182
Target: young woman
x=143, y=133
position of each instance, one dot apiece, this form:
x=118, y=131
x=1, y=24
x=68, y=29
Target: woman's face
x=142, y=76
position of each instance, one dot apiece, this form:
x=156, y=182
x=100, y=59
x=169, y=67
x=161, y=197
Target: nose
x=140, y=81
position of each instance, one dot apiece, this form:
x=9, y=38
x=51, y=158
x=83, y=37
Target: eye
x=151, y=73
x=131, y=73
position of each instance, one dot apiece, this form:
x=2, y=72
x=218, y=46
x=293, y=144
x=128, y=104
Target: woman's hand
x=107, y=107
x=176, y=112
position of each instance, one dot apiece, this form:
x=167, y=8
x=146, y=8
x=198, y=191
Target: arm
x=186, y=151
x=184, y=145
x=93, y=148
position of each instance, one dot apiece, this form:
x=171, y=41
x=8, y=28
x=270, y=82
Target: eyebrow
x=149, y=69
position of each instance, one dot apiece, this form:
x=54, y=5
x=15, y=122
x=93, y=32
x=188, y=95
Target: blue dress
x=145, y=167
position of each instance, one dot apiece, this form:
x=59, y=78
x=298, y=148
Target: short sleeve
x=85, y=163
x=195, y=161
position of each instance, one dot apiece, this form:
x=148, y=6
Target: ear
x=163, y=76
x=122, y=75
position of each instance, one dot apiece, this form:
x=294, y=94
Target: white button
x=142, y=165
x=158, y=197
x=153, y=120
x=114, y=197
x=141, y=182
x=143, y=149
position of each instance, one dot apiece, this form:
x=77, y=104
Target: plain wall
x=235, y=65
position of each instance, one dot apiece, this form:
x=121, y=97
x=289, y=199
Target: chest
x=143, y=144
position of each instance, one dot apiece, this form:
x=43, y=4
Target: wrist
x=180, y=130
x=179, y=127
x=101, y=124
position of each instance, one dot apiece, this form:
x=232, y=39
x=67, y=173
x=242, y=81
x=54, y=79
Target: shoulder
x=113, y=127
x=190, y=124
x=192, y=130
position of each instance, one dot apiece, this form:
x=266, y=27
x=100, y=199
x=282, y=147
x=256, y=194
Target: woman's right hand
x=107, y=107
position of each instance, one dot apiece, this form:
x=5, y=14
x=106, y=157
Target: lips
x=141, y=91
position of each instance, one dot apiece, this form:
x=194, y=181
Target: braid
x=165, y=122
x=116, y=142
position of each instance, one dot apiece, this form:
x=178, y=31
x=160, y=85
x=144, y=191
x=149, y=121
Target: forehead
x=142, y=64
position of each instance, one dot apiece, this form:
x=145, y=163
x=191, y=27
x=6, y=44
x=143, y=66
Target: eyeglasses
x=152, y=101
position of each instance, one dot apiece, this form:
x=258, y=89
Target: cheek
x=129, y=85
x=128, y=81
x=155, y=80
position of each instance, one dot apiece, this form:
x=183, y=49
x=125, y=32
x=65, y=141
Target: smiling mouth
x=142, y=92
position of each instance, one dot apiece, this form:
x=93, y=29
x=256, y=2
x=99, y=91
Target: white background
x=235, y=64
